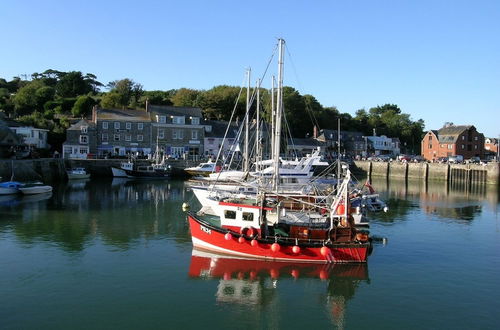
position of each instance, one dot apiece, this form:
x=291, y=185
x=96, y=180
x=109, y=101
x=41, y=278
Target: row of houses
x=182, y=132
x=175, y=131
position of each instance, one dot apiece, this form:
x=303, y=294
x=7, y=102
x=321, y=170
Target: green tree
x=83, y=106
x=111, y=100
x=72, y=84
x=185, y=97
x=127, y=93
x=26, y=100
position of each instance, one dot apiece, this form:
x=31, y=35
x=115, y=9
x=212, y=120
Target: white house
x=31, y=136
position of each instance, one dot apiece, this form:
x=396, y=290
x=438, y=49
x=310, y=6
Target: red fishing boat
x=259, y=229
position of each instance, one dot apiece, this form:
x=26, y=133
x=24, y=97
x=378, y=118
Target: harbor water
x=117, y=254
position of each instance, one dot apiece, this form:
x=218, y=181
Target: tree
x=73, y=84
x=111, y=100
x=185, y=97
x=83, y=106
x=26, y=101
x=126, y=93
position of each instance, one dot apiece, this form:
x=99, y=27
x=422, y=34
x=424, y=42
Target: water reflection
x=255, y=283
x=444, y=200
x=121, y=213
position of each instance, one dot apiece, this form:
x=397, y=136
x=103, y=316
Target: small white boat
x=121, y=172
x=10, y=187
x=204, y=169
x=78, y=173
x=35, y=188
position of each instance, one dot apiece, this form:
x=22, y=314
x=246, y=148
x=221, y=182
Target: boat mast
x=257, y=131
x=279, y=110
x=338, y=152
x=273, y=114
x=245, y=147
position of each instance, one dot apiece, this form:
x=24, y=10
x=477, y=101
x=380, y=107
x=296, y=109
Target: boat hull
x=36, y=190
x=73, y=176
x=208, y=237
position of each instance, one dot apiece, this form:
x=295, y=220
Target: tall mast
x=246, y=161
x=273, y=115
x=279, y=111
x=338, y=152
x=257, y=131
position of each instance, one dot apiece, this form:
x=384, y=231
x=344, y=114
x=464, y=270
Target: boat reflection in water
x=255, y=282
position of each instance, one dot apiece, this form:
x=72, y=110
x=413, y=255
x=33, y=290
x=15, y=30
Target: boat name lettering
x=239, y=208
x=205, y=229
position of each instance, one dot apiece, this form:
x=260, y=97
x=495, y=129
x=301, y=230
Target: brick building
x=453, y=140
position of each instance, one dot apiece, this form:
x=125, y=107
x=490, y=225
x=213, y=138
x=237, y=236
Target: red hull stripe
x=209, y=238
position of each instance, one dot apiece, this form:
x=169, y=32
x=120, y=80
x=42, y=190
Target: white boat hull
x=35, y=190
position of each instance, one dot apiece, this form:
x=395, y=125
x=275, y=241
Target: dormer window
x=83, y=129
x=180, y=120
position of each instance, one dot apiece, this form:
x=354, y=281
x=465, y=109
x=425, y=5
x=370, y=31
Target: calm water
x=108, y=254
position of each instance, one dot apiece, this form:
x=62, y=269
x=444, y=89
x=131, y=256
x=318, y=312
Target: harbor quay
x=465, y=173
x=54, y=169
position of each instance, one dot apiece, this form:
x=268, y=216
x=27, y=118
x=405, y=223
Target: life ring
x=248, y=231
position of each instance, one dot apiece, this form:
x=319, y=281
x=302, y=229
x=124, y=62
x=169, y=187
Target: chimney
x=315, y=131
x=147, y=104
x=374, y=132
x=94, y=114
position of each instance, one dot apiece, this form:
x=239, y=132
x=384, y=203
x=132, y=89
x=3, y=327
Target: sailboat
x=262, y=228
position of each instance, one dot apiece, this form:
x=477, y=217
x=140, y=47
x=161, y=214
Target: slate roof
x=219, y=129
x=123, y=115
x=78, y=125
x=175, y=111
x=450, y=133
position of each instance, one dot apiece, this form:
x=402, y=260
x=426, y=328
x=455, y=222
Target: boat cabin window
x=229, y=214
x=247, y=216
x=207, y=166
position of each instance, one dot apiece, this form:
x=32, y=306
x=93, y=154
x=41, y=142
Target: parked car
x=473, y=160
x=456, y=159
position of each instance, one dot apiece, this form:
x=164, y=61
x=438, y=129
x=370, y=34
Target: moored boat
x=10, y=187
x=148, y=172
x=35, y=188
x=77, y=173
x=204, y=169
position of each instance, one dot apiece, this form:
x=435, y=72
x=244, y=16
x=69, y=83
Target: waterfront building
x=81, y=140
x=453, y=140
x=351, y=142
x=31, y=136
x=382, y=145
x=122, y=132
x=491, y=148
x=214, y=138
x=178, y=131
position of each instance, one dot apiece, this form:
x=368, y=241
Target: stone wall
x=466, y=173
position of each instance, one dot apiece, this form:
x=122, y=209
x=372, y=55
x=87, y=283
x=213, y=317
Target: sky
x=437, y=60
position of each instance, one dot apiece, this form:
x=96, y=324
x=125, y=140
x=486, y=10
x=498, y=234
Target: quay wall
x=27, y=170
x=54, y=169
x=465, y=173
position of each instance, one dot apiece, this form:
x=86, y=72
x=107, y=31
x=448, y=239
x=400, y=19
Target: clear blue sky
x=438, y=60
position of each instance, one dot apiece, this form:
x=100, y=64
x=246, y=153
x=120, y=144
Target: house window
x=450, y=146
x=195, y=121
x=84, y=150
x=140, y=126
x=194, y=135
x=475, y=138
x=177, y=134
x=230, y=214
x=430, y=137
x=117, y=125
x=430, y=146
x=161, y=119
x=177, y=151
x=104, y=125
x=128, y=125
x=247, y=216
x=140, y=137
x=463, y=146
x=463, y=137
x=161, y=134
x=84, y=139
x=116, y=137
x=475, y=147
x=128, y=137
x=105, y=138
x=178, y=120
x=83, y=129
